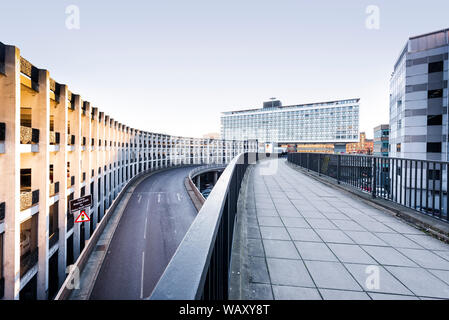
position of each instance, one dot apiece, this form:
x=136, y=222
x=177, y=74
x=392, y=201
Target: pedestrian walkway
x=306, y=240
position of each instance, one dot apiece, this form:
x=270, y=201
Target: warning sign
x=83, y=217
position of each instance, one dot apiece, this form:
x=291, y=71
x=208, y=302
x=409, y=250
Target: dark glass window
x=398, y=147
x=436, y=67
x=431, y=94
x=435, y=120
x=433, y=146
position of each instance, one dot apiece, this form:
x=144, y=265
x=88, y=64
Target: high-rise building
x=419, y=99
x=381, y=134
x=335, y=122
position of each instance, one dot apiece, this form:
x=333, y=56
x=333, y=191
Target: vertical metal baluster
x=440, y=193
x=433, y=188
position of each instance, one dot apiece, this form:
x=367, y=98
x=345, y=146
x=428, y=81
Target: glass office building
x=381, y=140
x=323, y=122
x=419, y=99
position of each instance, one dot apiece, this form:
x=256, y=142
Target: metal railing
x=417, y=184
x=199, y=268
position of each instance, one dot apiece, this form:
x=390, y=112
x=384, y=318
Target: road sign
x=80, y=203
x=83, y=217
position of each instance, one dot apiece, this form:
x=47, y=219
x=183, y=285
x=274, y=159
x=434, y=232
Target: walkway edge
x=430, y=225
x=238, y=268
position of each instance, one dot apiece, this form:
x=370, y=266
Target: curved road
x=152, y=226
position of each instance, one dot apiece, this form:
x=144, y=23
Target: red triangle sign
x=83, y=217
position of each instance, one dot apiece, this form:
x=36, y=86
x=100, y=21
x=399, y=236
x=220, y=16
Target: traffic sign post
x=81, y=204
x=83, y=217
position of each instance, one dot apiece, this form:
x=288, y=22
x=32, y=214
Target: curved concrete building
x=55, y=147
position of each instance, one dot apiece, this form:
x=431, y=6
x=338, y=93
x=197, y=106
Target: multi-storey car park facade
x=419, y=99
x=324, y=122
x=55, y=147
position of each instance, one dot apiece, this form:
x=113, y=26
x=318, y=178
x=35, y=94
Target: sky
x=173, y=66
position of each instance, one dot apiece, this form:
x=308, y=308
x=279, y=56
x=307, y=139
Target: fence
x=417, y=184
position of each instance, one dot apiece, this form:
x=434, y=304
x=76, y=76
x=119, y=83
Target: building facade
x=419, y=99
x=325, y=122
x=364, y=146
x=381, y=140
x=55, y=147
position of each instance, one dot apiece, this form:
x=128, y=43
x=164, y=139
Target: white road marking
x=148, y=204
x=140, y=198
x=141, y=280
x=158, y=198
x=145, y=231
x=179, y=197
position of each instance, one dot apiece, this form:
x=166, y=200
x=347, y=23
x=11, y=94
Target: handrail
x=199, y=269
x=421, y=185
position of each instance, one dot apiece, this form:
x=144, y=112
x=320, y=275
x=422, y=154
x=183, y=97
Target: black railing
x=2, y=210
x=417, y=184
x=28, y=261
x=201, y=265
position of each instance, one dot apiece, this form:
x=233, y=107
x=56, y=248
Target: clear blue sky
x=173, y=66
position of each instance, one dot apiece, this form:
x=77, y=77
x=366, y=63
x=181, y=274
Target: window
x=436, y=67
x=435, y=120
x=398, y=147
x=433, y=146
x=432, y=94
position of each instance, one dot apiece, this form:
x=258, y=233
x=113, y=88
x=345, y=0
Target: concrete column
x=75, y=170
x=40, y=174
x=60, y=175
x=10, y=163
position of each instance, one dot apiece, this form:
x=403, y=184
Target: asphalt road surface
x=152, y=226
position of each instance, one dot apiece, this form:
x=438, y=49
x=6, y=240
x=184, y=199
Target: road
x=152, y=226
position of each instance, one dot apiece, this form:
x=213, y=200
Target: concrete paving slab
x=295, y=293
x=350, y=253
x=389, y=256
x=421, y=282
x=280, y=249
x=315, y=251
x=289, y=273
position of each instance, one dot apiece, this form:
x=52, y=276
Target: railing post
x=338, y=168
x=308, y=162
x=319, y=165
x=373, y=178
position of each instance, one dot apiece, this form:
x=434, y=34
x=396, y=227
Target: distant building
x=364, y=146
x=381, y=140
x=212, y=135
x=419, y=99
x=334, y=122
